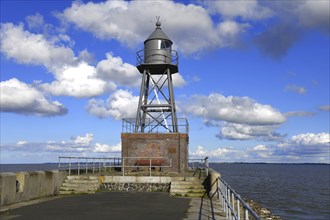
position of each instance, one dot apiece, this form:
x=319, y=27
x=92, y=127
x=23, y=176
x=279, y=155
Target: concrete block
x=124, y=179
x=213, y=177
x=59, y=178
x=107, y=179
x=7, y=188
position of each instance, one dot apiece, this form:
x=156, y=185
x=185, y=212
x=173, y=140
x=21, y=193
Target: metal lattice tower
x=157, y=62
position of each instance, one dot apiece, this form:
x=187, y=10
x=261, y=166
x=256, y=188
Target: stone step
x=199, y=195
x=174, y=191
x=84, y=182
x=69, y=188
x=183, y=183
x=179, y=186
x=187, y=179
x=68, y=184
x=81, y=177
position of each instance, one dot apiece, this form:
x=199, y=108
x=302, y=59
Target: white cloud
x=121, y=104
x=308, y=139
x=221, y=153
x=244, y=9
x=233, y=109
x=81, y=145
x=29, y=48
x=78, y=81
x=83, y=140
x=104, y=148
x=314, y=14
x=19, y=97
x=126, y=22
x=35, y=21
x=114, y=69
x=235, y=131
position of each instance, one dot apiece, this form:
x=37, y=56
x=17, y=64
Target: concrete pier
x=113, y=204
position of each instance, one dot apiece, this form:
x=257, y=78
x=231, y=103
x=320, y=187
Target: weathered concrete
x=135, y=179
x=7, y=188
x=171, y=145
x=213, y=178
x=205, y=209
x=31, y=185
x=108, y=205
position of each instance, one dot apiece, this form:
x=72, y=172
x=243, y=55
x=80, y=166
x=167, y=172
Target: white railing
x=80, y=165
x=232, y=203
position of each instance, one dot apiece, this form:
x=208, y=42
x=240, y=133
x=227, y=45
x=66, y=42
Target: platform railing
x=152, y=126
x=85, y=165
x=194, y=164
x=233, y=205
x=171, y=57
x=79, y=165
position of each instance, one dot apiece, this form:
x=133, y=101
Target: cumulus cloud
x=121, y=104
x=308, y=147
x=29, y=48
x=83, y=140
x=233, y=131
x=311, y=147
x=114, y=69
x=35, y=21
x=125, y=22
x=104, y=148
x=314, y=14
x=21, y=98
x=74, y=76
x=78, y=81
x=221, y=153
x=243, y=9
x=308, y=140
x=238, y=118
x=80, y=144
x=297, y=89
x=233, y=109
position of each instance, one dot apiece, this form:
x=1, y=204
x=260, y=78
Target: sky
x=253, y=77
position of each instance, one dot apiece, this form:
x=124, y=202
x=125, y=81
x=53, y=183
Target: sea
x=291, y=191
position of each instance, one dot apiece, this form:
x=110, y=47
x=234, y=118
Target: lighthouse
x=156, y=139
x=157, y=62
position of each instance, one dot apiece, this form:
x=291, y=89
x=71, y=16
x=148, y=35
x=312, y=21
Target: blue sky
x=253, y=77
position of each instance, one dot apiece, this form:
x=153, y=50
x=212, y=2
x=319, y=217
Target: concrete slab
x=109, y=205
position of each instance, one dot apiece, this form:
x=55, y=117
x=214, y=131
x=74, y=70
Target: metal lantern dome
x=158, y=47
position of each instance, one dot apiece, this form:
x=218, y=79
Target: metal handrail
x=202, y=164
x=129, y=125
x=232, y=203
x=174, y=58
x=97, y=164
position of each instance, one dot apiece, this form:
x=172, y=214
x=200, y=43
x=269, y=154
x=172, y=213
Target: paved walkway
x=204, y=209
x=116, y=205
x=108, y=205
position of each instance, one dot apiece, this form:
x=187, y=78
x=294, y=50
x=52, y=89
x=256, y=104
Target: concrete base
x=168, y=145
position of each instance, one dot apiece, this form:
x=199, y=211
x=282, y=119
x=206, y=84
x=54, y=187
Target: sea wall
x=135, y=183
x=213, y=182
x=24, y=186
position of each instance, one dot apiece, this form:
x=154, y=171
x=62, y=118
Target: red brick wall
x=172, y=145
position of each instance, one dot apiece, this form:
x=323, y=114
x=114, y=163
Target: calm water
x=28, y=167
x=292, y=191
